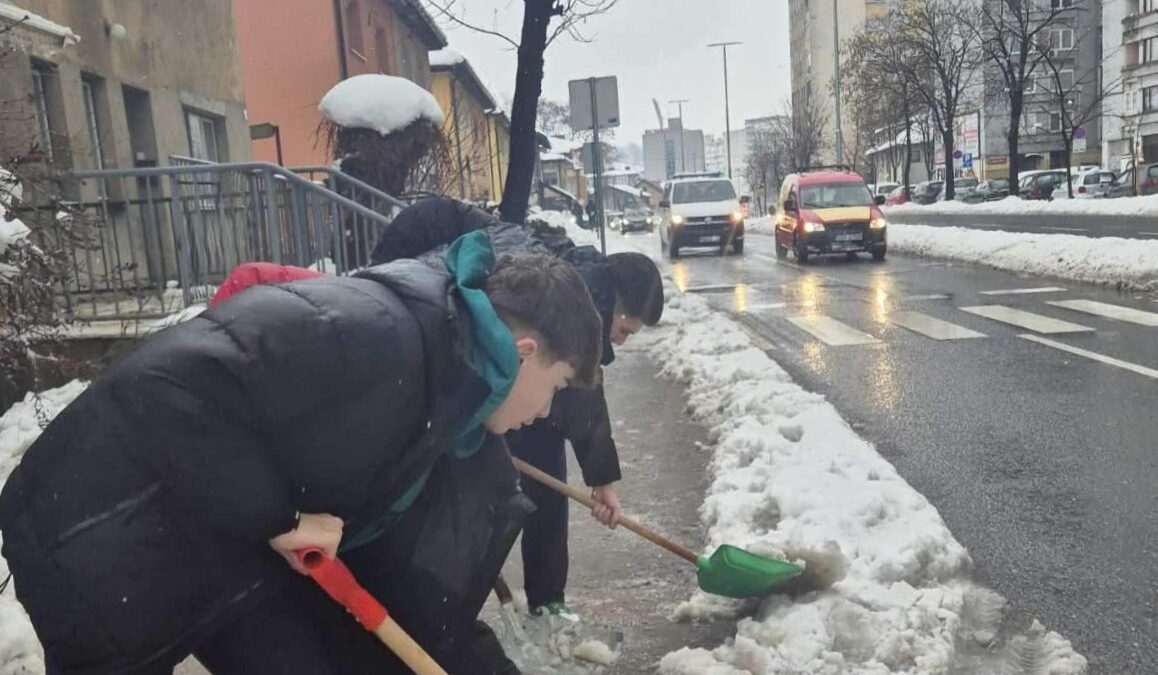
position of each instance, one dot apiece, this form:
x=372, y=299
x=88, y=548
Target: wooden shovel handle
x=406, y=649
x=631, y=524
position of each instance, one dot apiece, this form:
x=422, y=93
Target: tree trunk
x=1068, y=142
x=908, y=158
x=1013, y=136
x=947, y=142
x=528, y=87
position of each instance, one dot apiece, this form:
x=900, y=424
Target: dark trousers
x=545, y=557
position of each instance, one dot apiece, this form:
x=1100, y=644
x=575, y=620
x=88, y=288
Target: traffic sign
x=967, y=160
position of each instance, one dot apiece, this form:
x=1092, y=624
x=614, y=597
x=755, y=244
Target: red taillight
x=1082, y=189
x=1150, y=182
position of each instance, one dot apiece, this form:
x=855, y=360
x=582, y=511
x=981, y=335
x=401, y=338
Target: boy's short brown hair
x=545, y=295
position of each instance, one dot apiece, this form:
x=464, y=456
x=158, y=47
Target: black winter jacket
x=426, y=228
x=138, y=522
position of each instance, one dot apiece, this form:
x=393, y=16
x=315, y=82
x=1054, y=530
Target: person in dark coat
x=362, y=415
x=628, y=293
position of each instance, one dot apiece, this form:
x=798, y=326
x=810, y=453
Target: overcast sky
x=657, y=50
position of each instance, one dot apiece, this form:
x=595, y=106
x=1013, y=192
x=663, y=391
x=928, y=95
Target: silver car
x=1091, y=184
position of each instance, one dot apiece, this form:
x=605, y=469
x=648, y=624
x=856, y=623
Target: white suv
x=701, y=211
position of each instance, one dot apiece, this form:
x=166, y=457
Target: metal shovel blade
x=735, y=573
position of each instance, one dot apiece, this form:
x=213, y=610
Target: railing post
x=273, y=218
x=180, y=240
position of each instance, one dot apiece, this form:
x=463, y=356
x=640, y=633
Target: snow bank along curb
x=790, y=478
x=20, y=652
x=1015, y=206
x=1129, y=263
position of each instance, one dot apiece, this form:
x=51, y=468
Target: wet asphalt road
x=1043, y=463
x=1127, y=227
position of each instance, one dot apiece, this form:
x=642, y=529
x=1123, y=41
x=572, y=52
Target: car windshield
x=635, y=213
x=999, y=184
x=966, y=183
x=703, y=191
x=833, y=195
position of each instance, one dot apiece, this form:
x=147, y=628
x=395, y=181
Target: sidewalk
x=617, y=579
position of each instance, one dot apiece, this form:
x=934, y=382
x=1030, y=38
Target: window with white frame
x=1061, y=4
x=1150, y=98
x=1148, y=50
x=40, y=84
x=203, y=131
x=1061, y=39
x=89, y=87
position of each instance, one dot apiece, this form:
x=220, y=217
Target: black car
x=988, y=191
x=926, y=192
x=636, y=220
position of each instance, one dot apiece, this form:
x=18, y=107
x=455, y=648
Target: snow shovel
x=730, y=571
x=339, y=583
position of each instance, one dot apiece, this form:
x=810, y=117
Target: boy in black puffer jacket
x=356, y=414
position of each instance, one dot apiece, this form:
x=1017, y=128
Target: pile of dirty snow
x=790, y=479
x=380, y=102
x=1016, y=206
x=1129, y=263
x=20, y=652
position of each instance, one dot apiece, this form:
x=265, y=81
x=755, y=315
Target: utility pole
x=680, y=102
x=836, y=60
x=727, y=110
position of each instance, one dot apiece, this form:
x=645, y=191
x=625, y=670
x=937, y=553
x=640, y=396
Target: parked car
x=1095, y=184
x=988, y=191
x=829, y=212
x=926, y=192
x=898, y=196
x=884, y=188
x=1124, y=185
x=700, y=211
x=1039, y=185
x=636, y=220
x=961, y=189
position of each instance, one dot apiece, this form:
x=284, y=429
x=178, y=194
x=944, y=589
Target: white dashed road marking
x=1029, y=320
x=1024, y=291
x=932, y=327
x=830, y=331
x=1109, y=311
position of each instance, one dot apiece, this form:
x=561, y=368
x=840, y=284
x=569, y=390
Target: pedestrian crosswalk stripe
x=932, y=327
x=1126, y=365
x=1109, y=311
x=830, y=331
x=1024, y=291
x=1029, y=320
x=931, y=296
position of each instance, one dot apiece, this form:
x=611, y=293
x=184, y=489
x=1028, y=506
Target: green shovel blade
x=736, y=573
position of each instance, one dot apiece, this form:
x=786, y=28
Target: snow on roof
x=13, y=14
x=380, y=102
x=915, y=137
x=565, y=145
x=565, y=193
x=553, y=157
x=634, y=192
x=445, y=58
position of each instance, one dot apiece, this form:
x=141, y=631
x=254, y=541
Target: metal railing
x=175, y=231
x=361, y=232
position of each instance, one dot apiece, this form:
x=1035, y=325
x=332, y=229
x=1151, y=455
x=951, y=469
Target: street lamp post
x=680, y=102
x=836, y=60
x=727, y=110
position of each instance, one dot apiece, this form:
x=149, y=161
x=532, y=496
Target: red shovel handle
x=339, y=583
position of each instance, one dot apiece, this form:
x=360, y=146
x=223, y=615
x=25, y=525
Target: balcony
x=1140, y=71
x=1137, y=26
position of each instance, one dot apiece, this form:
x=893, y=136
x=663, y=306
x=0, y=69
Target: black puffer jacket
x=426, y=228
x=139, y=521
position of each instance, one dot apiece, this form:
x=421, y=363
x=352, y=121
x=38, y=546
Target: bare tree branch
x=444, y=9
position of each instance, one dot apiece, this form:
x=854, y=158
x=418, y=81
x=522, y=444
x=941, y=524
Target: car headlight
x=878, y=223
x=677, y=220
x=737, y=217
x=649, y=222
x=810, y=226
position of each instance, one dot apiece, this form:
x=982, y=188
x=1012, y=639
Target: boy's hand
x=606, y=509
x=314, y=530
